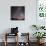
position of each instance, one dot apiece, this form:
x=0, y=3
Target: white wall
x=30, y=15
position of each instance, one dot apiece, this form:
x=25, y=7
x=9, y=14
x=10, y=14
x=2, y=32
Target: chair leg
x=5, y=43
x=17, y=39
x=5, y=40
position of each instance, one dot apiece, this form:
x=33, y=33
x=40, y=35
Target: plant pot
x=40, y=41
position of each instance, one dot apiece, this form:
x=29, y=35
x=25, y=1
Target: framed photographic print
x=17, y=13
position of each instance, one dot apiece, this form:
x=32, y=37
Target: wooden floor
x=13, y=44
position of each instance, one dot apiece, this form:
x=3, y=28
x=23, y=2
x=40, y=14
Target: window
x=41, y=8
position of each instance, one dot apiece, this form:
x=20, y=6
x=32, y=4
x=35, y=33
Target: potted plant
x=35, y=26
x=42, y=27
x=38, y=27
x=39, y=36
